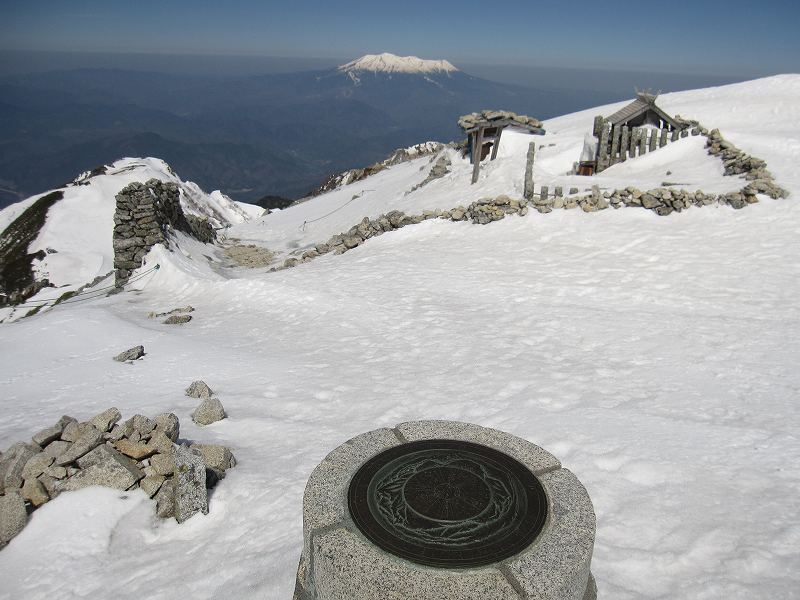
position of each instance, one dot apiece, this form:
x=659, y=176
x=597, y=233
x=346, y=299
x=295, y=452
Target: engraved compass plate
x=447, y=503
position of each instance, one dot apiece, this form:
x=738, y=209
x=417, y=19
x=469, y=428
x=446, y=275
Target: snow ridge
x=391, y=63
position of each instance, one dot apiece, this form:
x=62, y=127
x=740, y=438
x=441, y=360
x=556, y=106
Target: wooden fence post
x=663, y=141
x=476, y=168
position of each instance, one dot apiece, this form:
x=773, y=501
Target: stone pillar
x=602, y=148
x=675, y=134
x=624, y=144
x=558, y=191
x=598, y=125
x=684, y=133
x=351, y=551
x=528, y=183
x=642, y=141
x=653, y=140
x=663, y=141
x=615, y=145
x=544, y=193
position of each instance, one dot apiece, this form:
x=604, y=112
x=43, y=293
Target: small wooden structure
x=484, y=130
x=635, y=129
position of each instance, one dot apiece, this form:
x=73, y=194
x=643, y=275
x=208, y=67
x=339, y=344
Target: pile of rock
x=140, y=453
x=145, y=214
x=737, y=162
x=487, y=118
x=440, y=168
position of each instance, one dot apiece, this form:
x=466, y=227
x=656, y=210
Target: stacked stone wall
x=145, y=215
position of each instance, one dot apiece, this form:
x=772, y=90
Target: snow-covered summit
x=391, y=63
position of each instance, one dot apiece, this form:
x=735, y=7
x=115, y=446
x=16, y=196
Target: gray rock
x=57, y=448
x=75, y=430
x=50, y=434
x=104, y=466
x=13, y=462
x=13, y=516
x=169, y=425
x=56, y=472
x=134, y=353
x=209, y=411
x=143, y=425
x=36, y=465
x=151, y=484
x=163, y=464
x=34, y=492
x=135, y=450
x=106, y=419
x=215, y=457
x=190, y=484
x=199, y=389
x=177, y=319
x=89, y=440
x=165, y=499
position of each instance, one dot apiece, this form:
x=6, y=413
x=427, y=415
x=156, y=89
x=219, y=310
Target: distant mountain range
x=278, y=135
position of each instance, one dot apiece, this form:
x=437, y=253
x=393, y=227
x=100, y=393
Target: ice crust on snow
x=655, y=357
x=391, y=63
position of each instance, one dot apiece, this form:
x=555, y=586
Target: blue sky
x=715, y=36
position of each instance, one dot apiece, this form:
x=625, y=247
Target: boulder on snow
x=169, y=425
x=177, y=319
x=134, y=353
x=13, y=516
x=190, y=483
x=216, y=458
x=199, y=389
x=209, y=411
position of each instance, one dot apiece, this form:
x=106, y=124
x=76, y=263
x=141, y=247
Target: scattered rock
x=199, y=389
x=134, y=353
x=163, y=463
x=174, y=311
x=57, y=448
x=209, y=411
x=177, y=319
x=191, y=496
x=151, y=484
x=217, y=458
x=168, y=424
x=36, y=465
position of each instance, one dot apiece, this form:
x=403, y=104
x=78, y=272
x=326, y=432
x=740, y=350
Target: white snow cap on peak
x=390, y=63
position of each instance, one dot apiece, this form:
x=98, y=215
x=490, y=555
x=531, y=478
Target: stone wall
x=663, y=201
x=146, y=213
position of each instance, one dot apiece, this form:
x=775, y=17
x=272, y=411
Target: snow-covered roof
x=643, y=103
x=390, y=63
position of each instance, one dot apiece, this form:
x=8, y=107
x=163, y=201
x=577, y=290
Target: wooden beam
x=496, y=142
x=476, y=165
x=472, y=148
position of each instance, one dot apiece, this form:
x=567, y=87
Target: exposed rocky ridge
x=145, y=215
x=138, y=453
x=17, y=282
x=400, y=155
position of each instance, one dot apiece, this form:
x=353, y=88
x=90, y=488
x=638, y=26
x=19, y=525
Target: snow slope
x=655, y=356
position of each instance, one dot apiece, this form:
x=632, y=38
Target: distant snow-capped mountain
x=391, y=63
